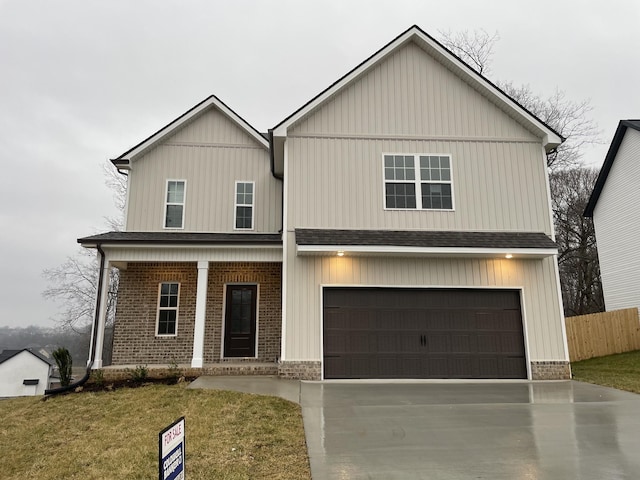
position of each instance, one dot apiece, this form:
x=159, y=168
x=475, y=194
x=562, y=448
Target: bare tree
x=73, y=284
x=571, y=119
x=571, y=184
x=575, y=236
x=474, y=48
x=118, y=184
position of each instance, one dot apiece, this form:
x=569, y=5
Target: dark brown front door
x=423, y=333
x=240, y=321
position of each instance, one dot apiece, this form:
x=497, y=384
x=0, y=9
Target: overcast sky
x=83, y=81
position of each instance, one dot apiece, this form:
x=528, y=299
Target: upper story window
x=167, y=320
x=418, y=182
x=174, y=206
x=244, y=205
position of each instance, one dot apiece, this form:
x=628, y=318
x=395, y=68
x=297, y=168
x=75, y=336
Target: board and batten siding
x=411, y=94
x=410, y=103
x=617, y=226
x=211, y=153
x=339, y=183
x=541, y=310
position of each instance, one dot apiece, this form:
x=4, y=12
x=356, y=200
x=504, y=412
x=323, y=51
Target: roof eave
x=171, y=127
x=550, y=138
x=410, y=251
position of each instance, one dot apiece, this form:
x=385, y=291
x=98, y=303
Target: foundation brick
x=552, y=370
x=300, y=370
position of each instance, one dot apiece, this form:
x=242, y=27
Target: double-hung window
x=244, y=205
x=167, y=321
x=419, y=181
x=174, y=206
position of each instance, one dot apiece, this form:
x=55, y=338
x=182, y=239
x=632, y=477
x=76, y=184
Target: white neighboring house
x=23, y=373
x=614, y=206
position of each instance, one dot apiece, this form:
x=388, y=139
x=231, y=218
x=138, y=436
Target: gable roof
x=8, y=354
x=551, y=138
x=210, y=102
x=608, y=163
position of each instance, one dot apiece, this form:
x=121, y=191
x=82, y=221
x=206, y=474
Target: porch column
x=102, y=316
x=201, y=307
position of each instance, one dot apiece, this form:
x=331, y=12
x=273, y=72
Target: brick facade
x=550, y=370
x=135, y=342
x=269, y=320
x=300, y=370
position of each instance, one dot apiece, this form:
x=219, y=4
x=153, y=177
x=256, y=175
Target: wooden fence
x=601, y=334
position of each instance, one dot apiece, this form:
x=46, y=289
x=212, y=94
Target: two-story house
x=398, y=225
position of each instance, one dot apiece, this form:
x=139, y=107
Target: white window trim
x=177, y=309
x=167, y=203
x=236, y=205
x=417, y=182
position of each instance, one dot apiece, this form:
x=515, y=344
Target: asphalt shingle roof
x=424, y=238
x=7, y=354
x=183, y=238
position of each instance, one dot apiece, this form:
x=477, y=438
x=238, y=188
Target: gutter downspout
x=92, y=346
x=277, y=177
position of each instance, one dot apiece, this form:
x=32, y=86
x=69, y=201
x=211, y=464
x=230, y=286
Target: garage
x=422, y=333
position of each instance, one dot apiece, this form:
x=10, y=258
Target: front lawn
x=620, y=371
x=102, y=435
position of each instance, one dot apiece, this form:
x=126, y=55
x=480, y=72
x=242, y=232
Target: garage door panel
x=463, y=343
x=422, y=333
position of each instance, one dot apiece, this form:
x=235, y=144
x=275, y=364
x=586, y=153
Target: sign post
x=171, y=451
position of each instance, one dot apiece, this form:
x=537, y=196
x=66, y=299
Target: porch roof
x=424, y=242
x=181, y=238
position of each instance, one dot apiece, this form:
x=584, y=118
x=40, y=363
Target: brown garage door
x=422, y=333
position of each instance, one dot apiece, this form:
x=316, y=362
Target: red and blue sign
x=171, y=451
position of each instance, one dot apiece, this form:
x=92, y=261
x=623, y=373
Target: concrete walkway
x=262, y=385
x=454, y=430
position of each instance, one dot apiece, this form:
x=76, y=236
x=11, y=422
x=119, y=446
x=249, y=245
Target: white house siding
x=617, y=225
x=23, y=366
x=210, y=153
x=536, y=277
x=411, y=94
x=338, y=183
x=411, y=103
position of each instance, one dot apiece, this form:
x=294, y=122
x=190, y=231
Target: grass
x=620, y=371
x=229, y=435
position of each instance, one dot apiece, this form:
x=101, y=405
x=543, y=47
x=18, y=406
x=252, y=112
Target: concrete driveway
x=519, y=430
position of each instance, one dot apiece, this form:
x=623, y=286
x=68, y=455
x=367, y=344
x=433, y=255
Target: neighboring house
x=398, y=225
x=614, y=206
x=23, y=372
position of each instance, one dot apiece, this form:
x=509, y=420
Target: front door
x=240, y=321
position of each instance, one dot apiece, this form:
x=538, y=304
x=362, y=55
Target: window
x=418, y=182
x=174, y=208
x=168, y=309
x=244, y=205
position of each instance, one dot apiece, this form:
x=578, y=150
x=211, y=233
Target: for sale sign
x=171, y=448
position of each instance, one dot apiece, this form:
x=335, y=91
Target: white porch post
x=102, y=316
x=201, y=307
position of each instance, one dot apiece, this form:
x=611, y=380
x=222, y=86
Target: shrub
x=97, y=376
x=65, y=364
x=174, y=371
x=139, y=374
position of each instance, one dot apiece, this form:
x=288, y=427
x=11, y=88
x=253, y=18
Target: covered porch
x=209, y=302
